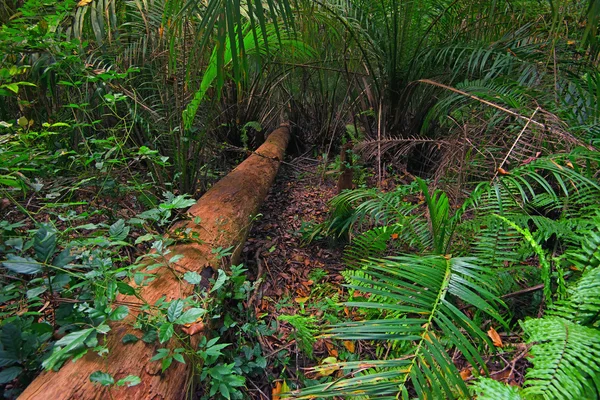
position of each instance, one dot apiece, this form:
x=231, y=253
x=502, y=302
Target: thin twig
x=489, y=103
x=515, y=143
x=520, y=292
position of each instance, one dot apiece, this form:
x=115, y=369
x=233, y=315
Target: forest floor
x=305, y=279
x=291, y=278
x=298, y=278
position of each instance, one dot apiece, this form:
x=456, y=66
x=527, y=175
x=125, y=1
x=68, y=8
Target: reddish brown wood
x=226, y=212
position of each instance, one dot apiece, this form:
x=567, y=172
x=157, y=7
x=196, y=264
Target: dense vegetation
x=474, y=127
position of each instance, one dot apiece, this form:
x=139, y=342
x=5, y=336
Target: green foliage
x=305, y=330
x=421, y=291
x=415, y=301
x=565, y=359
x=565, y=346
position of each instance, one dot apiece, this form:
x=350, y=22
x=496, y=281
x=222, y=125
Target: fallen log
x=225, y=213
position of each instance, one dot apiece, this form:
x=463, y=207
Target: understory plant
x=429, y=281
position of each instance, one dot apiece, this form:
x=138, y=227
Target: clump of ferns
x=565, y=343
x=418, y=300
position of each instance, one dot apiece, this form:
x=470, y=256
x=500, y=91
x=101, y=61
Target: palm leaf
x=422, y=292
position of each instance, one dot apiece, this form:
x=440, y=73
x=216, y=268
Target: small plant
x=305, y=331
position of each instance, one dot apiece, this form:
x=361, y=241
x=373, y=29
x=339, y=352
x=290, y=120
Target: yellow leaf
x=83, y=3
x=329, y=369
x=349, y=345
x=285, y=388
x=495, y=337
x=301, y=300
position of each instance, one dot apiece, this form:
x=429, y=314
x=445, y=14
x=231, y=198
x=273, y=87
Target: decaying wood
x=225, y=213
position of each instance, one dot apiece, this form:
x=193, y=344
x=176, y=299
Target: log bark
x=225, y=213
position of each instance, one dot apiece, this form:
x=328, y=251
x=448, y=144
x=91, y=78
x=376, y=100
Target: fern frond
x=583, y=304
x=495, y=242
x=490, y=389
x=566, y=359
x=369, y=244
x=588, y=256
x=421, y=292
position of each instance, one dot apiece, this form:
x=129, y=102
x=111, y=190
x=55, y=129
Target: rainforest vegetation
x=433, y=231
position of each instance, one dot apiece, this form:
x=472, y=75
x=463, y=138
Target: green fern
x=489, y=389
x=422, y=291
x=565, y=346
x=566, y=359
x=413, y=296
x=305, y=331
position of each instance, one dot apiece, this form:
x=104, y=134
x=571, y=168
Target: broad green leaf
x=63, y=258
x=119, y=313
x=125, y=289
x=179, y=357
x=35, y=292
x=44, y=242
x=160, y=354
x=175, y=309
x=7, y=358
x=129, y=338
x=165, y=332
x=9, y=374
x=22, y=265
x=150, y=336
x=118, y=231
x=192, y=277
x=129, y=380
x=166, y=363
x=190, y=316
x=66, y=345
x=221, y=279
x=102, y=378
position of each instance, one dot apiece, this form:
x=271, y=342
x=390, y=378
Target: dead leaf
x=349, y=345
x=194, y=328
x=331, y=348
x=276, y=391
x=301, y=300
x=466, y=374
x=394, y=236
x=495, y=337
x=502, y=171
x=83, y=3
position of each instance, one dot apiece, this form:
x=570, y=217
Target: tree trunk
x=225, y=213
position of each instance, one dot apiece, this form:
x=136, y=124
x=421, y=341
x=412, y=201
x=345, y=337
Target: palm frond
x=421, y=291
